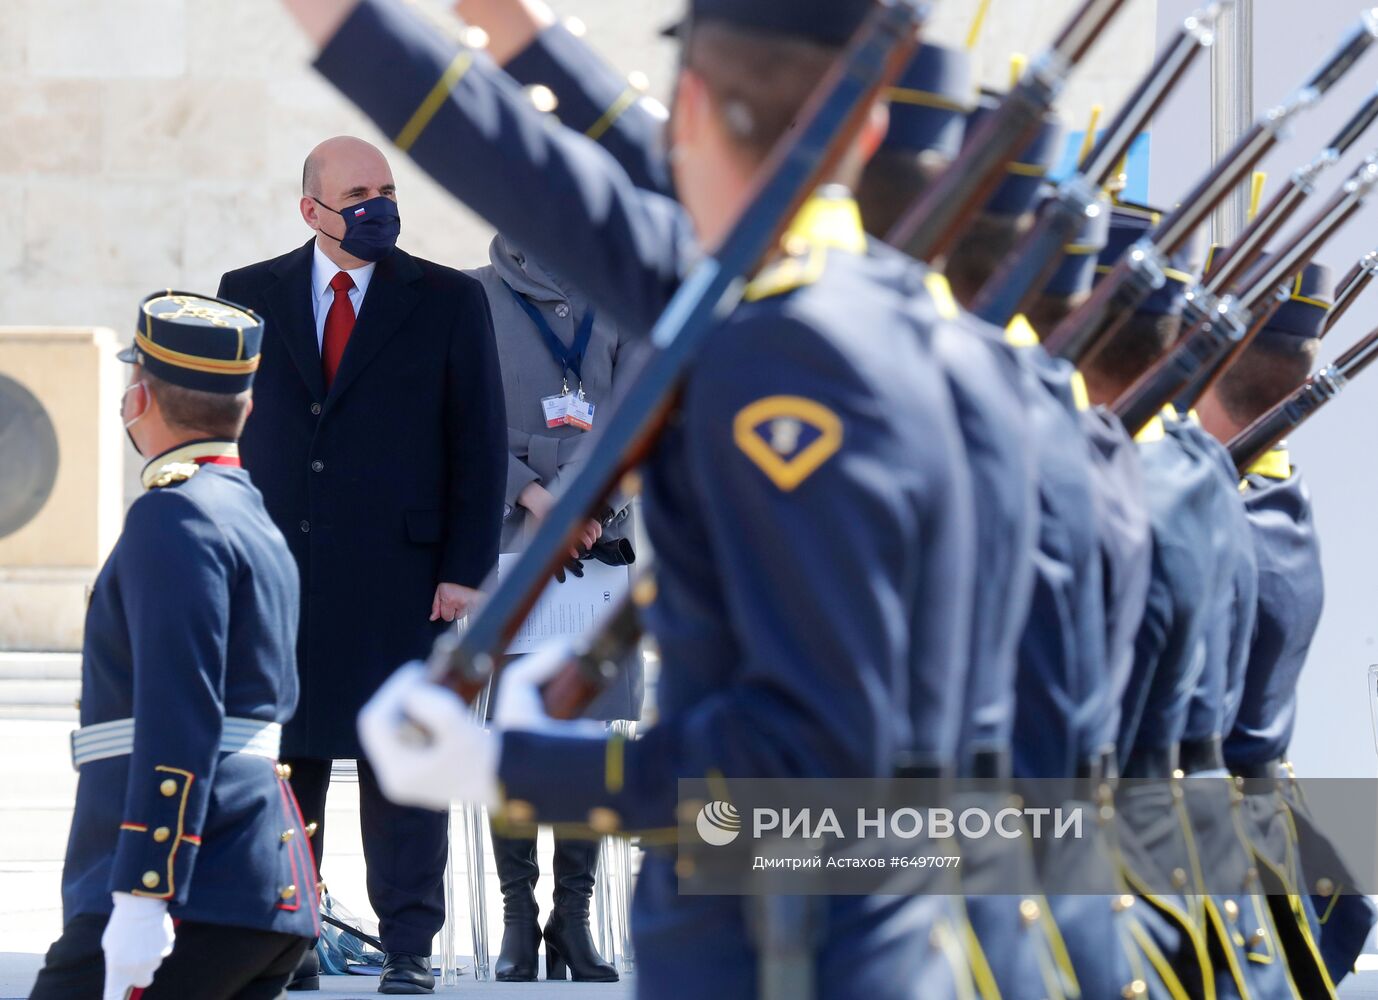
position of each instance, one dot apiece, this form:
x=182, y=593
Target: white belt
x=116, y=739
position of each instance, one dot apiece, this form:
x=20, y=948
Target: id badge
x=580, y=413
x=555, y=409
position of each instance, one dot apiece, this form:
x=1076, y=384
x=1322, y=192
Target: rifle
x=1141, y=270
x=930, y=227
x=1351, y=286
x=1256, y=440
x=828, y=123
x=1231, y=262
x=1200, y=357
x=1027, y=268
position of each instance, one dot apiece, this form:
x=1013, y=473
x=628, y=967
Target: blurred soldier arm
x=473, y=129
x=526, y=40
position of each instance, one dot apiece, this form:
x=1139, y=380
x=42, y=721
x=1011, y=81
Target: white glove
x=136, y=940
x=518, y=703
x=456, y=759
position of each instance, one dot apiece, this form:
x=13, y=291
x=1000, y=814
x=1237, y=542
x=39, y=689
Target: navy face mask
x=371, y=227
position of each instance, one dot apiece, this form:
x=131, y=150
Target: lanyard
x=570, y=359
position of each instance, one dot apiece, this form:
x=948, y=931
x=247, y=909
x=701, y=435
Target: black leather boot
x=521, y=932
x=568, y=943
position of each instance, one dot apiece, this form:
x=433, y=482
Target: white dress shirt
x=323, y=271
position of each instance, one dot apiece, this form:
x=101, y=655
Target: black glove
x=614, y=552
x=573, y=565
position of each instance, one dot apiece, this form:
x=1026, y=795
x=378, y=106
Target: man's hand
x=137, y=939
x=452, y=602
x=457, y=759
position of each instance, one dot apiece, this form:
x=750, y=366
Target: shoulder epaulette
x=173, y=472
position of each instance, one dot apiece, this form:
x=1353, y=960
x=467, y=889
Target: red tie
x=339, y=323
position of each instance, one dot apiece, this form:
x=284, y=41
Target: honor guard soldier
x=1290, y=595
x=796, y=640
x=188, y=866
x=1180, y=486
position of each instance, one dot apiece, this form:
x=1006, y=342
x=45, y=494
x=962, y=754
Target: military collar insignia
x=827, y=221
x=181, y=463
x=1275, y=464
x=1021, y=333
x=787, y=437
x=1151, y=431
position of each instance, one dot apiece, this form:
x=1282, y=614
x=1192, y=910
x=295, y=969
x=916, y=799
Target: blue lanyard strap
x=570, y=359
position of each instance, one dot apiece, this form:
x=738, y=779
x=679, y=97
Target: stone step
x=43, y=691
x=40, y=666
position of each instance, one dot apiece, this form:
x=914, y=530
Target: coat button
x=311, y=828
x=287, y=835
x=305, y=526
x=288, y=891
x=150, y=880
x=562, y=310
x=318, y=466
x=168, y=788
x=161, y=834
x=315, y=409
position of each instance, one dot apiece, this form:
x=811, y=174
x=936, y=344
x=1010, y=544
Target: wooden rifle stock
x=1027, y=268
x=1141, y=270
x=1256, y=440
x=1351, y=286
x=1191, y=367
x=799, y=164
x=930, y=227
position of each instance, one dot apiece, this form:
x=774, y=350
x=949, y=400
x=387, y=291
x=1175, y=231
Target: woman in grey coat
x=558, y=357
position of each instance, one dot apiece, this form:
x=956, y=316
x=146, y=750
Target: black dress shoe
x=406, y=974
x=308, y=974
x=569, y=948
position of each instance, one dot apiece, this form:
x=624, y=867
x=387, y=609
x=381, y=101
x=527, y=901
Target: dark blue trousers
x=404, y=852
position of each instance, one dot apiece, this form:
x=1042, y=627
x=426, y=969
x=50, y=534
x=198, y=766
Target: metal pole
x=1232, y=106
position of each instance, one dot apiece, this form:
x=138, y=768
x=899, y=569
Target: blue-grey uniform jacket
x=191, y=634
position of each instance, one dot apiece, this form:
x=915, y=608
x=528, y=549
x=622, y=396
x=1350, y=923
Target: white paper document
x=572, y=608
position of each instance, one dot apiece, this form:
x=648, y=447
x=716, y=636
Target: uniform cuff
x=155, y=852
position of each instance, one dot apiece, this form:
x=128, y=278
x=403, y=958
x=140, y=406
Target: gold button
x=168, y=788
x=1258, y=937
x=1325, y=887
x=284, y=771
x=311, y=828
x=1232, y=910
x=1178, y=774
x=684, y=868
x=1137, y=988
x=638, y=80
x=150, y=880
x=161, y=834
x=1028, y=911
x=519, y=811
x=288, y=891
x=1122, y=903
x=1179, y=877
x=604, y=821
x=287, y=835
x=475, y=37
